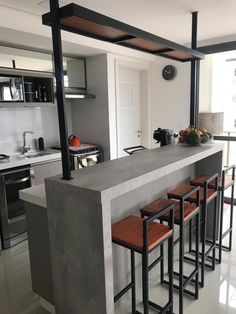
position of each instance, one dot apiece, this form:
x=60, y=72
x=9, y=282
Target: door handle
x=139, y=133
x=11, y=182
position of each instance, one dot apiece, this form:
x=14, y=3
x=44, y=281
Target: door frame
x=144, y=70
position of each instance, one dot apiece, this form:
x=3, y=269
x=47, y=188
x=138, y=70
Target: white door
x=128, y=109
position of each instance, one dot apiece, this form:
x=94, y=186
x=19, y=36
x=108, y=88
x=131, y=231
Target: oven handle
x=11, y=182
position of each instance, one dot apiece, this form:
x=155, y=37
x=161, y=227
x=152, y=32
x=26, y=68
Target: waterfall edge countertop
x=116, y=177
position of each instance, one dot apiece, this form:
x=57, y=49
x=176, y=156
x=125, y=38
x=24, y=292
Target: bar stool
x=143, y=236
x=183, y=212
x=224, y=182
x=206, y=197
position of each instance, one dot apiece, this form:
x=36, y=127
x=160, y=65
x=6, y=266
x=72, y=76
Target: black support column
x=195, y=68
x=58, y=65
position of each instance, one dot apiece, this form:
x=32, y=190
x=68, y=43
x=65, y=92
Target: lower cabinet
x=41, y=171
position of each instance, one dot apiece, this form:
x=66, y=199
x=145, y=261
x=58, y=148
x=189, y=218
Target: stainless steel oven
x=12, y=213
x=11, y=88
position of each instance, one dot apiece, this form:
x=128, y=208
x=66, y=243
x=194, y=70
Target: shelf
x=22, y=104
x=80, y=20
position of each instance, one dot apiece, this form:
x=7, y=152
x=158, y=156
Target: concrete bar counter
x=81, y=211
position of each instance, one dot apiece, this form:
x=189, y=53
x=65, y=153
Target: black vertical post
x=194, y=74
x=58, y=65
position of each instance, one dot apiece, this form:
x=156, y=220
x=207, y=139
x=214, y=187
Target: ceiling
x=166, y=18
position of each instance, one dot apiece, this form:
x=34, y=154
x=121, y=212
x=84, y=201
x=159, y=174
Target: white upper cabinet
x=75, y=74
x=25, y=59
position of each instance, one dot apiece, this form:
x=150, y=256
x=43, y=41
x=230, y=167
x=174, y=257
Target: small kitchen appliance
x=11, y=88
x=165, y=136
x=84, y=155
x=74, y=141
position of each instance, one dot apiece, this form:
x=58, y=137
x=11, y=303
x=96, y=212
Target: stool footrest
x=226, y=233
x=210, y=249
x=150, y=267
x=207, y=252
x=191, y=260
x=123, y=291
x=176, y=241
x=190, y=277
x=192, y=281
x=176, y=287
x=224, y=247
x=162, y=309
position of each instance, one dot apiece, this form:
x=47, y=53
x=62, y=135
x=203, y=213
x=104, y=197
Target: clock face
x=169, y=72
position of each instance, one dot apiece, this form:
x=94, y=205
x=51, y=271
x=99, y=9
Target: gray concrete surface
x=80, y=213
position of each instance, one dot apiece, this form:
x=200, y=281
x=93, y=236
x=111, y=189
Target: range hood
x=77, y=93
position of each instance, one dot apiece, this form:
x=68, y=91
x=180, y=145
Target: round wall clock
x=169, y=72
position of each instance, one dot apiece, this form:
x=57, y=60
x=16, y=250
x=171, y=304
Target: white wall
x=205, y=87
x=42, y=121
x=170, y=100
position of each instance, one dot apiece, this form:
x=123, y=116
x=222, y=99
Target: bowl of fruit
x=192, y=136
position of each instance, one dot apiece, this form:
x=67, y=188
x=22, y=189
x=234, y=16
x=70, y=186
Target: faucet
x=26, y=148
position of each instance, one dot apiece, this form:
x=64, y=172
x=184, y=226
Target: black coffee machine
x=164, y=136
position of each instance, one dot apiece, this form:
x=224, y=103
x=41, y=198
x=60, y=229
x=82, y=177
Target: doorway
x=132, y=106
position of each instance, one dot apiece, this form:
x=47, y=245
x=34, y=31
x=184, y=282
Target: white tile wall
x=13, y=122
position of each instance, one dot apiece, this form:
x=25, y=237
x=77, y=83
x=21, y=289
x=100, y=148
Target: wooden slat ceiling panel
x=75, y=18
x=179, y=55
x=144, y=44
x=83, y=25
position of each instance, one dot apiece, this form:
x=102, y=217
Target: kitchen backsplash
x=42, y=121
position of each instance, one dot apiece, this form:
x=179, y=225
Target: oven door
x=12, y=213
x=11, y=89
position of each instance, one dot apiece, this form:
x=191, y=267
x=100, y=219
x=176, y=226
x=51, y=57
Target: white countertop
x=35, y=195
x=18, y=160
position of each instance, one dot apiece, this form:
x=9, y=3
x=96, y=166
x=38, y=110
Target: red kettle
x=74, y=140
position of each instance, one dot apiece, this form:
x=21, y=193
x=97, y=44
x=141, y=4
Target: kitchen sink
x=37, y=154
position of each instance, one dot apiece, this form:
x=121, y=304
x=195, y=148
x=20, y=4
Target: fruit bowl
x=193, y=137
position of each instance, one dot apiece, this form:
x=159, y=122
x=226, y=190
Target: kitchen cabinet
x=25, y=59
x=75, y=72
x=44, y=170
x=36, y=88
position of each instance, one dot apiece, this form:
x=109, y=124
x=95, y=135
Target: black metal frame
x=217, y=48
x=59, y=74
x=229, y=231
x=132, y=32
x=168, y=307
x=183, y=279
x=195, y=69
x=205, y=253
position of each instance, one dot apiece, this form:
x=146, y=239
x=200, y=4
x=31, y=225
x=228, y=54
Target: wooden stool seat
x=199, y=181
x=211, y=195
x=129, y=233
x=189, y=210
x=180, y=191
x=156, y=206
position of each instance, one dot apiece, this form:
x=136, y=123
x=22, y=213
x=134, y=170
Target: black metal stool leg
x=133, y=281
x=162, y=263
x=170, y=271
x=221, y=224
x=231, y=217
x=197, y=256
x=181, y=263
x=190, y=235
x=204, y=217
x=162, y=271
x=214, y=234
x=145, y=283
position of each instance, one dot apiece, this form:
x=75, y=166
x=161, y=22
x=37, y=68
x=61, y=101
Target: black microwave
x=11, y=88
